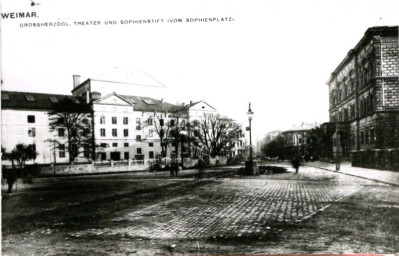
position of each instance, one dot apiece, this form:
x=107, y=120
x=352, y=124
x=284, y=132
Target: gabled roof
x=148, y=104
x=33, y=101
x=196, y=103
x=116, y=95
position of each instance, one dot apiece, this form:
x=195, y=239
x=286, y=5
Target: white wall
x=14, y=130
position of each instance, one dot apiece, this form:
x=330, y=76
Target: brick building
x=364, y=101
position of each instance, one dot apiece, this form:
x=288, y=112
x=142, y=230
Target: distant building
x=295, y=140
x=364, y=101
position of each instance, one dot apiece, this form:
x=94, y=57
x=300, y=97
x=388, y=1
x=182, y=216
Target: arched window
x=366, y=75
x=361, y=108
x=360, y=78
x=371, y=68
x=352, y=81
x=371, y=107
x=346, y=87
x=366, y=72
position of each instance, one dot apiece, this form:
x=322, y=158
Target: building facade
x=25, y=119
x=125, y=127
x=296, y=140
x=364, y=101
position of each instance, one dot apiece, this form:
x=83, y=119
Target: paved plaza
x=236, y=207
x=312, y=211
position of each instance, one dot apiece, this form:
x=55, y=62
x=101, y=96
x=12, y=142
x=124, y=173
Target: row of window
x=61, y=133
x=114, y=120
x=349, y=113
x=61, y=150
x=114, y=133
x=125, y=144
x=32, y=132
x=346, y=87
x=366, y=137
x=139, y=154
x=172, y=122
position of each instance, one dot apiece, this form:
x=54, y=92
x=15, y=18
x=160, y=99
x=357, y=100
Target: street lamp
x=250, y=114
x=251, y=167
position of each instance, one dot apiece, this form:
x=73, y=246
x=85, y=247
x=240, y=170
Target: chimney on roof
x=161, y=100
x=76, y=80
x=191, y=102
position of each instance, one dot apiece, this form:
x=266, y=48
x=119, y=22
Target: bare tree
x=75, y=121
x=162, y=129
x=168, y=128
x=216, y=134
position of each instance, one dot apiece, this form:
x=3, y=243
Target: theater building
x=125, y=126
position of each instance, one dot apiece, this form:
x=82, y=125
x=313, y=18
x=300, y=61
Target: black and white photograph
x=225, y=127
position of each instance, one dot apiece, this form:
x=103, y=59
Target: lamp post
x=250, y=114
x=338, y=162
x=251, y=167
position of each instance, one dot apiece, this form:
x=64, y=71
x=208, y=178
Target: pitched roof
x=112, y=94
x=34, y=101
x=43, y=101
x=148, y=104
x=195, y=103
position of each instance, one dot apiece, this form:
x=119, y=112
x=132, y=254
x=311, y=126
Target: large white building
x=125, y=126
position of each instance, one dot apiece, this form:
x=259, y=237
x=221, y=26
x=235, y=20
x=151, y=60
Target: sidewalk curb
x=353, y=175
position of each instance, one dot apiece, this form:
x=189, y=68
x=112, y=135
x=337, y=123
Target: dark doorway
x=116, y=156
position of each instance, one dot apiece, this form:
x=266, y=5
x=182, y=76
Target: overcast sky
x=275, y=54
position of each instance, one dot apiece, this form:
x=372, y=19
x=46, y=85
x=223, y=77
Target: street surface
x=314, y=211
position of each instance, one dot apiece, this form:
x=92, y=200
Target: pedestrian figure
x=296, y=163
x=10, y=181
x=201, y=166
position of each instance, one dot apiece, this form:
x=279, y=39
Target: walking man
x=10, y=181
x=296, y=162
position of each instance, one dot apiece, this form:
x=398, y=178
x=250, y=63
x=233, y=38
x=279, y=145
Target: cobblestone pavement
x=233, y=208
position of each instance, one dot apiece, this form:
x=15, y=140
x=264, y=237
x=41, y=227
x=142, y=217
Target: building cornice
x=373, y=31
